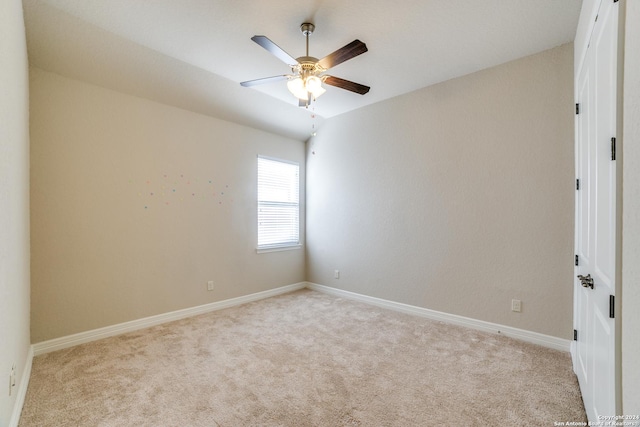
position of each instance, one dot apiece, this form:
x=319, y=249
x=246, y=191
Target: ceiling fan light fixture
x=313, y=84
x=317, y=92
x=297, y=87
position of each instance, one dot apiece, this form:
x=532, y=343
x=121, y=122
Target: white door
x=594, y=352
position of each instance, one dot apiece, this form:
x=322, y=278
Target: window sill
x=278, y=249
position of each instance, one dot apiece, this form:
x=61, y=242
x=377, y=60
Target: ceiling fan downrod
x=307, y=29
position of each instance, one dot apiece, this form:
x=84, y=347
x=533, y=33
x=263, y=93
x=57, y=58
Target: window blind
x=278, y=203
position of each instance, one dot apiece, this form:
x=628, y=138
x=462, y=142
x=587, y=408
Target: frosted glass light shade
x=317, y=92
x=314, y=85
x=296, y=87
x=302, y=88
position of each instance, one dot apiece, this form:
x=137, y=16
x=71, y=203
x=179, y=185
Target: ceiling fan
x=306, y=81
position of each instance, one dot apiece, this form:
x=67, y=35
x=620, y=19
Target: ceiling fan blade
x=264, y=80
x=345, y=53
x=274, y=49
x=346, y=84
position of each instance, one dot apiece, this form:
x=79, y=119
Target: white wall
x=105, y=250
x=631, y=214
x=14, y=202
x=456, y=198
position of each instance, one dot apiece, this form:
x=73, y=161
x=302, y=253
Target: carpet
x=303, y=359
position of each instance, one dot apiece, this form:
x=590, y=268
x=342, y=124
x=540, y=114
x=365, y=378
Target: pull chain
x=313, y=123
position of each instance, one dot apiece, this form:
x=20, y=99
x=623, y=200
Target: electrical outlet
x=336, y=274
x=210, y=285
x=516, y=305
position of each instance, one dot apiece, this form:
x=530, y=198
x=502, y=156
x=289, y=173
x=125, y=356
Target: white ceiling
x=193, y=53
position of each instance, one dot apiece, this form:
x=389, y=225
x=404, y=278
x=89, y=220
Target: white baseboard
x=521, y=334
x=108, y=331
x=22, y=390
x=96, y=334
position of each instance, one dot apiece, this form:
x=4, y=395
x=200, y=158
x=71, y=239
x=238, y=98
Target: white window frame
x=283, y=198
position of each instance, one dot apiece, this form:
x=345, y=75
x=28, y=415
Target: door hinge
x=576, y=261
x=577, y=108
x=575, y=335
x=578, y=184
x=612, y=307
x=613, y=148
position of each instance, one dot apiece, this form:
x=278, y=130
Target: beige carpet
x=303, y=359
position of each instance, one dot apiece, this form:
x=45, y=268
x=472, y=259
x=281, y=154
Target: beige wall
x=631, y=214
x=104, y=249
x=14, y=203
x=457, y=197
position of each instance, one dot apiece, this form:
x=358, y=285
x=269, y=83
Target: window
x=278, y=204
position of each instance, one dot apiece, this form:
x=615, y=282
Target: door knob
x=586, y=282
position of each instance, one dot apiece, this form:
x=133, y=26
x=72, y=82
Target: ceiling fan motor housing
x=308, y=65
